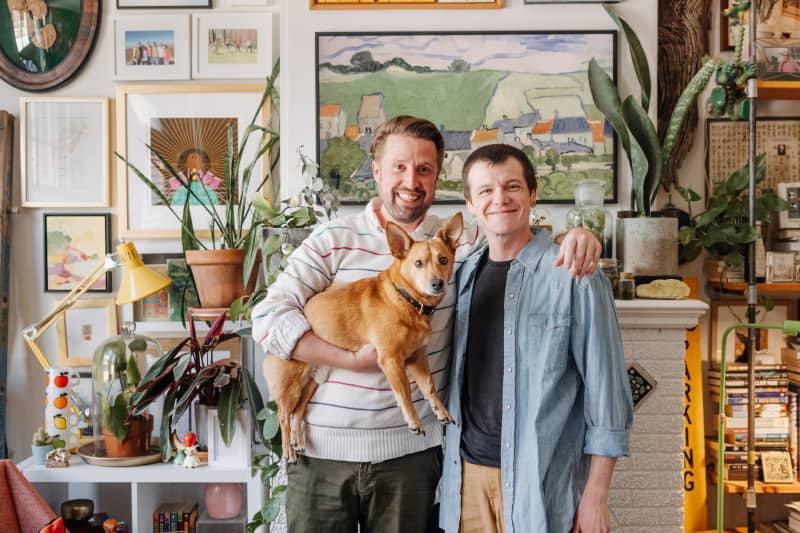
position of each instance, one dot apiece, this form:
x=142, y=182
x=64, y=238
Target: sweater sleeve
x=278, y=320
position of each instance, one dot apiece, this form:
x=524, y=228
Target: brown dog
x=391, y=311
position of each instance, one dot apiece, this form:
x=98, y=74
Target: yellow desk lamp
x=138, y=281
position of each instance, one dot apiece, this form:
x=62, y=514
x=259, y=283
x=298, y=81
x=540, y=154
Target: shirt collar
x=532, y=253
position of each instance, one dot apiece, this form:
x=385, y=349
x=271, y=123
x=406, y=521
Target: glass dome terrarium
x=590, y=213
x=119, y=363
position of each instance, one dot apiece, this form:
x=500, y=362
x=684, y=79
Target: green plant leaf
x=272, y=507
x=271, y=426
x=606, y=98
x=642, y=129
x=118, y=415
x=254, y=399
x=687, y=194
x=638, y=57
x=226, y=409
x=691, y=250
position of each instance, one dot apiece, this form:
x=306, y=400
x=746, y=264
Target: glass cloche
x=590, y=213
x=119, y=363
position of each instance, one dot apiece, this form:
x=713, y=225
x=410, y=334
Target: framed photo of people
x=153, y=47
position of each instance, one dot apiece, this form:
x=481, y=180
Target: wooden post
x=6, y=159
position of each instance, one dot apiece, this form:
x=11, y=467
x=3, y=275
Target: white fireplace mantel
x=646, y=314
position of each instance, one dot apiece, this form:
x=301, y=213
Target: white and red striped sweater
x=354, y=416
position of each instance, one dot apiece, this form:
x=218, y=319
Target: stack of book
x=773, y=425
x=175, y=517
x=792, y=525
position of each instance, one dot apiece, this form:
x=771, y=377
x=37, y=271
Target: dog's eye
x=442, y=260
x=418, y=263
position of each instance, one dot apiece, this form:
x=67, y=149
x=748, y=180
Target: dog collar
x=424, y=309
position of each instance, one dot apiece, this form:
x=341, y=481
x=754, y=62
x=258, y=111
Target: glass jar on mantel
x=590, y=213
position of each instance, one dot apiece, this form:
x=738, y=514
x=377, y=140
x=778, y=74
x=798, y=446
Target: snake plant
x=629, y=118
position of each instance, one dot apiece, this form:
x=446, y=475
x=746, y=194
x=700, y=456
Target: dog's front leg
x=394, y=369
x=417, y=365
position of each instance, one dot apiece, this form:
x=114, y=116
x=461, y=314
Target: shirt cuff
x=607, y=442
x=283, y=337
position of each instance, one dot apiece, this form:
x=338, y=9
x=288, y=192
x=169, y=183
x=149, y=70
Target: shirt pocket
x=549, y=341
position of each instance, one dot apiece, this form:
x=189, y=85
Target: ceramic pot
x=648, y=246
x=135, y=444
x=217, y=275
x=40, y=453
x=223, y=500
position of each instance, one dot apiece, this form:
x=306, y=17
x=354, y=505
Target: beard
x=405, y=214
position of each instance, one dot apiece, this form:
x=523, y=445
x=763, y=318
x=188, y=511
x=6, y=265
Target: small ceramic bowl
x=77, y=512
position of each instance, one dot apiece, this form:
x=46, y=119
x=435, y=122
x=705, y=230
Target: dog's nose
x=437, y=285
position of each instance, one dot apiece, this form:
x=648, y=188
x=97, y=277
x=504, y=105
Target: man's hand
x=580, y=250
x=592, y=515
x=364, y=360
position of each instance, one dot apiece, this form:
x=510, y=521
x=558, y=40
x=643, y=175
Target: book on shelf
x=742, y=367
x=175, y=517
x=761, y=410
x=778, y=526
x=761, y=422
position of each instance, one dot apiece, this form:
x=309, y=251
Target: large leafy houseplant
x=722, y=229
x=190, y=372
x=629, y=118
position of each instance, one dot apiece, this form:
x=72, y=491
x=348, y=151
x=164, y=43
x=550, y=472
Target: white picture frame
x=790, y=218
x=82, y=328
x=138, y=106
x=780, y=267
x=167, y=58
x=236, y=44
x=64, y=152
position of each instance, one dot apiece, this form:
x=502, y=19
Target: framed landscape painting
x=528, y=89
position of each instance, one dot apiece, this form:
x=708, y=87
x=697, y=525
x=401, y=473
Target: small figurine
x=58, y=457
x=110, y=525
x=187, y=451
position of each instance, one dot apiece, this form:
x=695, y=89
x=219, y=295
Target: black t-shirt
x=482, y=393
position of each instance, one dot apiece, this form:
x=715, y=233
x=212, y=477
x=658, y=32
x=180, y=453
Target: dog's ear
x=399, y=241
x=450, y=233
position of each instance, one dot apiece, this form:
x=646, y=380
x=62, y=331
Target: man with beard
x=362, y=466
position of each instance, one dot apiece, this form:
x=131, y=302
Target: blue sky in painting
x=149, y=36
x=534, y=53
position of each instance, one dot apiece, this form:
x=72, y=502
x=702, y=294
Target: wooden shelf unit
x=778, y=90
x=762, y=287
x=738, y=487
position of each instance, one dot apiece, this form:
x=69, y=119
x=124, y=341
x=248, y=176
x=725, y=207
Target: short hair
x=495, y=154
x=409, y=126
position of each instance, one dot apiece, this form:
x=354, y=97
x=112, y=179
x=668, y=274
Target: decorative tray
x=91, y=456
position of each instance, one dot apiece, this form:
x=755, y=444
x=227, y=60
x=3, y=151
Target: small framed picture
x=777, y=467
x=74, y=244
x=152, y=48
x=768, y=343
x=791, y=193
x=164, y=4
x=82, y=328
x=64, y=152
x=232, y=45
x=155, y=306
x=780, y=267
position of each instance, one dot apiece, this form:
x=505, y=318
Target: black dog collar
x=424, y=309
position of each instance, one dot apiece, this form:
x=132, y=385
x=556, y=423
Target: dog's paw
x=446, y=419
x=417, y=430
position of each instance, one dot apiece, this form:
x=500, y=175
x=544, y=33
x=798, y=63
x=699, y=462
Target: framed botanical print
x=64, y=152
x=42, y=45
x=187, y=125
x=82, y=328
x=524, y=88
x=74, y=244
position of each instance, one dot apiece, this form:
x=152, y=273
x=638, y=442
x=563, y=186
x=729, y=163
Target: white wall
x=28, y=301
x=297, y=27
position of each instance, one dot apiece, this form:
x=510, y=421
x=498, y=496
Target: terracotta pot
x=136, y=443
x=217, y=275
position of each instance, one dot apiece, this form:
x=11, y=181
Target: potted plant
x=116, y=375
x=722, y=229
x=41, y=444
x=222, y=267
x=654, y=238
x=190, y=372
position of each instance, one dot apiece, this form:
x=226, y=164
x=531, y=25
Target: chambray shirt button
x=508, y=332
x=509, y=369
x=508, y=484
x=508, y=407
x=508, y=445
x=511, y=296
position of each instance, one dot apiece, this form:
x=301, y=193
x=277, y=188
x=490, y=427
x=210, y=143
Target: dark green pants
x=394, y=496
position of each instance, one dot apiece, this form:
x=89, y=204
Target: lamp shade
x=138, y=281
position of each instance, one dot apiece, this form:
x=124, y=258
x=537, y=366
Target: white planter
x=238, y=453
x=648, y=246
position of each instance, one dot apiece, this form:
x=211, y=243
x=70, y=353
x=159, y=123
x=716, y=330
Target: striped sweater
x=354, y=416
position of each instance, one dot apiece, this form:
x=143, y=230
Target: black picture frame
x=88, y=260
x=167, y=4
x=68, y=52
x=592, y=152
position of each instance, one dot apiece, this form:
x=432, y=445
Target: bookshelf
x=144, y=487
x=772, y=288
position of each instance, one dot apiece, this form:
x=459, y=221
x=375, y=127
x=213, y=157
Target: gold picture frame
x=137, y=109
x=82, y=328
x=406, y=4
x=776, y=467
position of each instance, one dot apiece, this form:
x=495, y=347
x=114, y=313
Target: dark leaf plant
x=629, y=118
x=236, y=227
x=190, y=372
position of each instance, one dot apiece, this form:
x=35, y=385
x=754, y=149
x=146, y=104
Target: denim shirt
x=565, y=391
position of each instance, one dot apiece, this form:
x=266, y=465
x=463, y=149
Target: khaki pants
x=481, y=499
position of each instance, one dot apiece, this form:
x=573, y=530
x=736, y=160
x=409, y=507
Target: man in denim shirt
x=539, y=390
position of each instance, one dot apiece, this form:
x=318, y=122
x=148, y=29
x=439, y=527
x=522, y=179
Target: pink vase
x=223, y=500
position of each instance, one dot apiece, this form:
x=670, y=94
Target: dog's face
x=426, y=265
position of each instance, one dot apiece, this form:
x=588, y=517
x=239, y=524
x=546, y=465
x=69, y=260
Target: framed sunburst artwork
x=188, y=126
